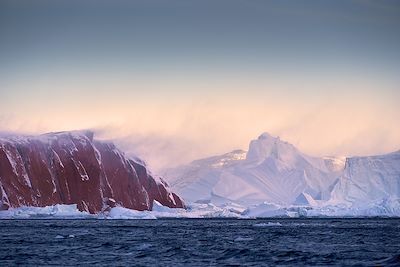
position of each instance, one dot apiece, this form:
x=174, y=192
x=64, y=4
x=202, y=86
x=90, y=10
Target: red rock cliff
x=73, y=168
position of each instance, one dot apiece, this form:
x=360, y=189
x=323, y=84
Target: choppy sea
x=201, y=242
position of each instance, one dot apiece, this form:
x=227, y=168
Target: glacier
x=274, y=178
x=272, y=170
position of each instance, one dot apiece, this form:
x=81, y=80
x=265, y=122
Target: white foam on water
x=267, y=224
x=243, y=239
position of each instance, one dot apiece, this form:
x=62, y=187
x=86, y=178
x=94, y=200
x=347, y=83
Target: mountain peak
x=266, y=135
x=267, y=145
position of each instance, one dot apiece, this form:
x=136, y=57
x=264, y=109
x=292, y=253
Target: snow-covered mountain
x=274, y=178
x=272, y=170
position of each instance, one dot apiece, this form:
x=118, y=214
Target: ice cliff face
x=73, y=168
x=272, y=170
x=368, y=180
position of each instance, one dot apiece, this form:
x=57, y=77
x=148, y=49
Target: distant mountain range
x=273, y=178
x=275, y=171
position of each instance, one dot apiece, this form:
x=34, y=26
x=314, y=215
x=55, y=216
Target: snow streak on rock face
x=272, y=170
x=73, y=168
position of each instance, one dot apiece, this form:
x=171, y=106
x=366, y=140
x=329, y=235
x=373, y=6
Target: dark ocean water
x=200, y=242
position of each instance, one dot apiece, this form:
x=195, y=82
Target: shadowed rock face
x=73, y=168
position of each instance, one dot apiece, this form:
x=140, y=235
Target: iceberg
x=58, y=211
x=272, y=170
x=275, y=179
x=385, y=208
x=159, y=211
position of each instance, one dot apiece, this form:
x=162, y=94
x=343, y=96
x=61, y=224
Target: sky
x=173, y=81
